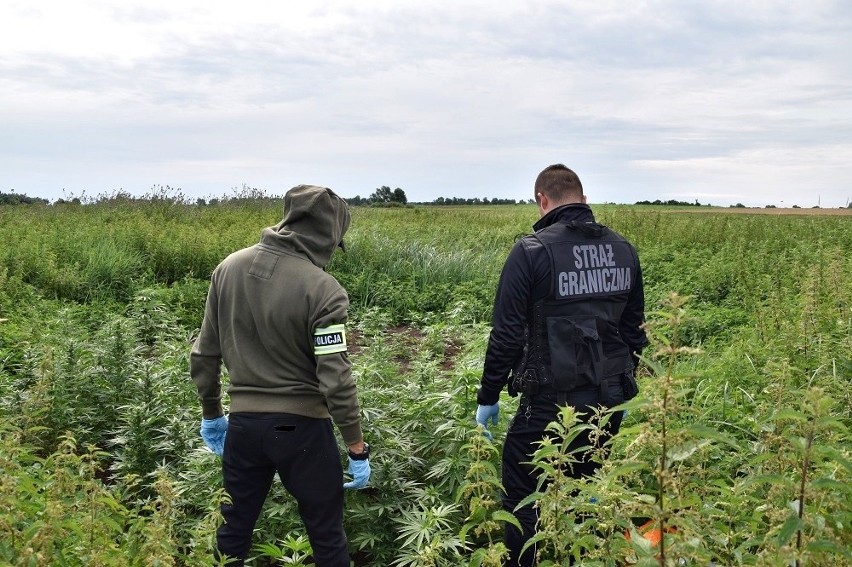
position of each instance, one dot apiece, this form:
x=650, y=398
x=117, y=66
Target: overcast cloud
x=717, y=101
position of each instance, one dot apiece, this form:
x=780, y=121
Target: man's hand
x=486, y=413
x=213, y=433
x=360, y=473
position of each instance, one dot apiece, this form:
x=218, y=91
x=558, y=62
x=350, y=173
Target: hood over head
x=315, y=220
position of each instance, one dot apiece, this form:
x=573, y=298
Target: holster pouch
x=526, y=383
x=629, y=385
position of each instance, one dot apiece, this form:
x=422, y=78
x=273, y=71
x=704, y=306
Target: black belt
x=530, y=390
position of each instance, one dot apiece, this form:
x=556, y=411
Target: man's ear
x=543, y=202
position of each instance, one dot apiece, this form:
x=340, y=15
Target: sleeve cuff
x=486, y=397
x=211, y=410
x=351, y=434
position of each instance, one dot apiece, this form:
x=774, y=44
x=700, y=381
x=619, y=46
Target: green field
x=739, y=442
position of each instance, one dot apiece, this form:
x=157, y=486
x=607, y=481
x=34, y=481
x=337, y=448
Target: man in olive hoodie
x=276, y=320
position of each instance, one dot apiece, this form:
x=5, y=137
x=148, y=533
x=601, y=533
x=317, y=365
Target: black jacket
x=525, y=280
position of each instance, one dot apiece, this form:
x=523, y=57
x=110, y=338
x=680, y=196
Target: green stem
x=806, y=463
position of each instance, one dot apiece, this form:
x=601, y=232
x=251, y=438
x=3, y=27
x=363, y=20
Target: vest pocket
x=576, y=352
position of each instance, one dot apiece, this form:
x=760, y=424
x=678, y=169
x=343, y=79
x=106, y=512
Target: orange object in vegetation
x=651, y=533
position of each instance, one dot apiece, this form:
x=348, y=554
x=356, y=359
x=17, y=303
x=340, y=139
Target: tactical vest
x=573, y=339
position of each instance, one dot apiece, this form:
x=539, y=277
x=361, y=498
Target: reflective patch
x=329, y=340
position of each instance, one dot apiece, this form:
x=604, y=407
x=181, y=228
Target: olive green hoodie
x=275, y=318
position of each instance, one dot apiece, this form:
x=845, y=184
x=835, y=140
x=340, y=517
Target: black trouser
x=520, y=479
x=304, y=453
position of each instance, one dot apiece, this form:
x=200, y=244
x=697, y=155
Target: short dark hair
x=559, y=184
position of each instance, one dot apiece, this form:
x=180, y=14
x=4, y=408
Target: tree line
x=383, y=196
x=16, y=199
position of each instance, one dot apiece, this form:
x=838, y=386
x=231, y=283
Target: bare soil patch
x=410, y=337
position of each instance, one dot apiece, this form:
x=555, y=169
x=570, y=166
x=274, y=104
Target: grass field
x=738, y=444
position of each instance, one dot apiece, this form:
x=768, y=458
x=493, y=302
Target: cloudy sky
x=718, y=101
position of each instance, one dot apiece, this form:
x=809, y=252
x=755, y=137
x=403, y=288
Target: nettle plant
x=679, y=488
x=652, y=477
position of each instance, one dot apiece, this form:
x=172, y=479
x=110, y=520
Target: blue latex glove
x=485, y=413
x=360, y=473
x=213, y=432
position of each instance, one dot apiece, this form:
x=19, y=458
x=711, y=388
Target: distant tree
x=357, y=201
x=384, y=194
x=16, y=199
x=771, y=207
x=381, y=195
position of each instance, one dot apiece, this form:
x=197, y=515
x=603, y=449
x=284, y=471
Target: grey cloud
x=453, y=98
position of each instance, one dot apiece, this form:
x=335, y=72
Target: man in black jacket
x=566, y=329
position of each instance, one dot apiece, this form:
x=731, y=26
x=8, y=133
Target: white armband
x=328, y=340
